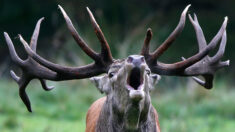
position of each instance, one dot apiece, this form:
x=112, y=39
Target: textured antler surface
x=37, y=67
x=198, y=64
x=208, y=65
x=30, y=68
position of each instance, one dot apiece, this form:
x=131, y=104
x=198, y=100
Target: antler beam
x=39, y=68
x=193, y=65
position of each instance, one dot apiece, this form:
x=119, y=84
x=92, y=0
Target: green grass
x=64, y=108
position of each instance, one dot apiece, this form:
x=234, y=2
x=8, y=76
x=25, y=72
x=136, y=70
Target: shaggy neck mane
x=132, y=118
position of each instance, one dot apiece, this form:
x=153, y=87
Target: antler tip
x=42, y=18
x=30, y=110
x=5, y=34
x=92, y=18
x=62, y=10
x=87, y=8
x=225, y=21
x=89, y=12
x=190, y=17
x=188, y=5
x=193, y=20
x=186, y=10
x=226, y=18
x=25, y=44
x=149, y=32
x=59, y=6
x=149, y=29
x=14, y=76
x=227, y=63
x=20, y=37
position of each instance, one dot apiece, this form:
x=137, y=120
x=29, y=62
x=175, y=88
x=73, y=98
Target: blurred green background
x=182, y=105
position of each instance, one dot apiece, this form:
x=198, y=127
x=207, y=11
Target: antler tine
x=190, y=61
x=15, y=58
x=105, y=49
x=34, y=43
x=219, y=34
x=207, y=68
x=44, y=85
x=224, y=63
x=221, y=50
x=199, y=33
x=77, y=37
x=197, y=57
x=20, y=81
x=33, y=46
x=148, y=37
x=34, y=38
x=208, y=83
x=23, y=95
x=23, y=82
x=215, y=60
x=14, y=76
x=36, y=57
x=167, y=43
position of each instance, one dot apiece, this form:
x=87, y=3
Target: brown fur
x=94, y=113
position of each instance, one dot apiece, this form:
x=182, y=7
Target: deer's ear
x=102, y=83
x=155, y=78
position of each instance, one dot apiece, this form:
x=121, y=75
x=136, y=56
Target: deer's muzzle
x=135, y=67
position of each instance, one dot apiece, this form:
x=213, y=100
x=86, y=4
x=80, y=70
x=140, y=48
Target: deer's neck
x=136, y=116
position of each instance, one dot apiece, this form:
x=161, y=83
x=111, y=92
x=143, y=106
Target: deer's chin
x=136, y=95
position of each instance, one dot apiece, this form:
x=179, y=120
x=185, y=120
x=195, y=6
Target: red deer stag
x=127, y=82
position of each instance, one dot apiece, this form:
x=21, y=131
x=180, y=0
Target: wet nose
x=136, y=60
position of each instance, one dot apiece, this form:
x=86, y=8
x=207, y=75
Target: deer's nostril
x=136, y=60
x=142, y=59
x=130, y=59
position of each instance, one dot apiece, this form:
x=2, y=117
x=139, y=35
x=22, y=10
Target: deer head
x=128, y=79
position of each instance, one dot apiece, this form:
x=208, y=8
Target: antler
x=39, y=68
x=208, y=65
x=30, y=68
x=193, y=65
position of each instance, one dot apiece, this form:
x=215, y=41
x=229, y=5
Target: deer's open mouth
x=135, y=79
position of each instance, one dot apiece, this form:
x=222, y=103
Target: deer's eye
x=148, y=72
x=111, y=74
